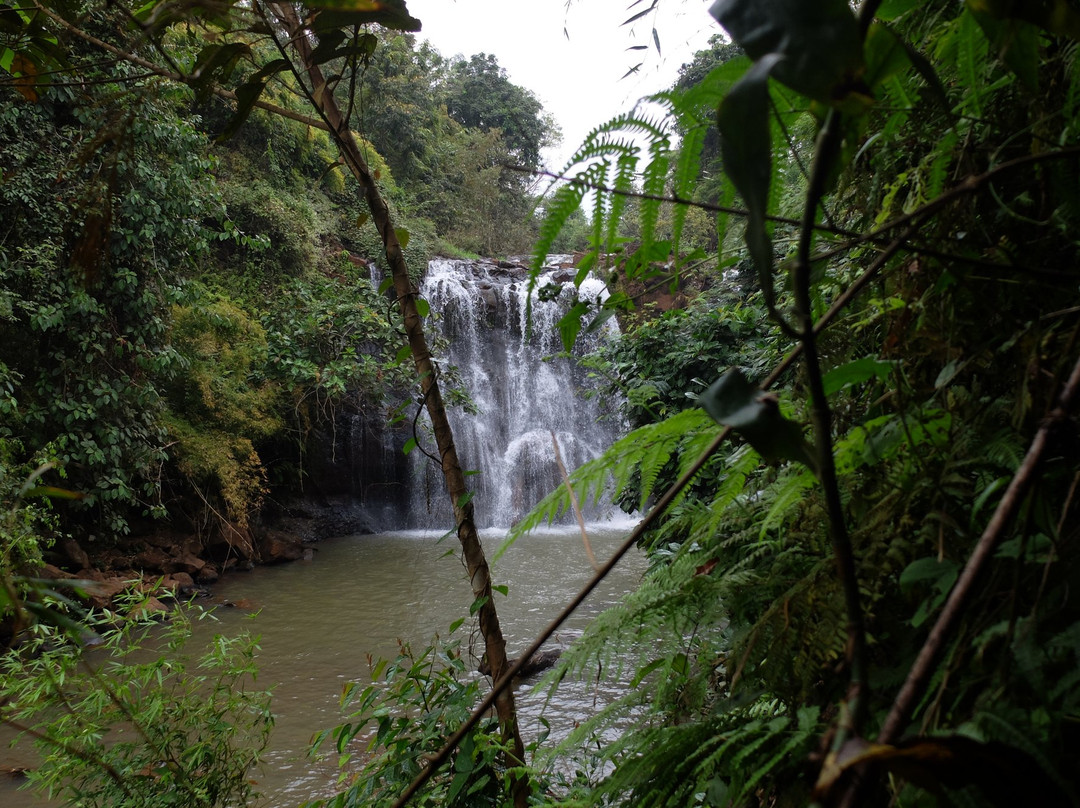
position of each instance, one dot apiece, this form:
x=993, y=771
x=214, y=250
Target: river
x=319, y=620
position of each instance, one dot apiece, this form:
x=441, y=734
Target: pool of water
x=320, y=620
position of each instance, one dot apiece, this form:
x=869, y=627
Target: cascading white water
x=524, y=391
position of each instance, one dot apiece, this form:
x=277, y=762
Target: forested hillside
x=185, y=299
x=844, y=256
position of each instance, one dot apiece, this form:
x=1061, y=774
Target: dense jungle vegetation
x=854, y=443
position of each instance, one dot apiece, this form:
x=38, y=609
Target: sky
x=572, y=57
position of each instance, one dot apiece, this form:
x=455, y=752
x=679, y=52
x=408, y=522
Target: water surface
x=320, y=620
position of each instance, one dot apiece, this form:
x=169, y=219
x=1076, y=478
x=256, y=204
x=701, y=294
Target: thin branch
x=573, y=501
x=171, y=75
x=825, y=154
x=923, y=667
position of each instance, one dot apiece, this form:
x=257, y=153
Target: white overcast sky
x=573, y=57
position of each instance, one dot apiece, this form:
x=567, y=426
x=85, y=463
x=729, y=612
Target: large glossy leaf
x=733, y=401
x=348, y=13
x=1016, y=42
x=818, y=42
x=1006, y=775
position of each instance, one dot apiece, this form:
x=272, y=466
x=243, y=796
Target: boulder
x=152, y=559
x=182, y=580
x=75, y=554
x=102, y=591
x=186, y=562
x=276, y=547
x=54, y=573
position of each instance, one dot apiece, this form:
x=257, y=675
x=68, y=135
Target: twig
x=573, y=502
x=924, y=664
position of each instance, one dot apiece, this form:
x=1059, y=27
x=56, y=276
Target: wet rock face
x=360, y=479
x=277, y=547
x=504, y=341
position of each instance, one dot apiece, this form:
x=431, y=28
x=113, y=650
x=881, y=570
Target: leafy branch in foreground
x=132, y=719
x=923, y=399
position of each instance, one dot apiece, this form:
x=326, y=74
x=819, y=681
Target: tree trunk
x=473, y=551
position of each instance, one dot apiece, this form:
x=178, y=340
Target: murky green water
x=319, y=621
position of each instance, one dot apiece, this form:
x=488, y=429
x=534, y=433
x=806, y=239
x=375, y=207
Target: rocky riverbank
x=162, y=561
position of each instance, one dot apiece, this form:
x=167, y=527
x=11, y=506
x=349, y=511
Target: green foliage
x=217, y=408
x=134, y=720
x=95, y=233
x=402, y=717
x=739, y=643
x=479, y=95
x=331, y=342
x=662, y=363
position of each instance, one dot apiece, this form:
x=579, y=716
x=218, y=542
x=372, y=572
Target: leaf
x=247, y=95
x=362, y=219
x=856, y=372
x=570, y=323
x=53, y=492
x=746, y=146
x=1016, y=43
x=733, y=401
x=1006, y=775
x=423, y=308
x=891, y=9
x=1055, y=16
x=886, y=55
x=25, y=76
x=402, y=236
x=942, y=573
x=817, y=44
x=350, y=13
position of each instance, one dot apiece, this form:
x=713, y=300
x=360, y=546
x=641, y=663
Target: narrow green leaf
x=52, y=492
x=570, y=324
x=746, y=145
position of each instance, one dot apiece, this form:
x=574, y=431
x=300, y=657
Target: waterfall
x=523, y=391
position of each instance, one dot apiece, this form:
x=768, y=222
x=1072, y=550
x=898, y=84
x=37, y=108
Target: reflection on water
x=320, y=620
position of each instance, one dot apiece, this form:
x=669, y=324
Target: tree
x=302, y=46
x=480, y=95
